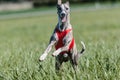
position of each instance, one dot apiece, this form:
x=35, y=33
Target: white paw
x=56, y=53
x=43, y=56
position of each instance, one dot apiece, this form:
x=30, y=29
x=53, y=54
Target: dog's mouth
x=64, y=19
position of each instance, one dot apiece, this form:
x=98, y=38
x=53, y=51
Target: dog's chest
x=61, y=36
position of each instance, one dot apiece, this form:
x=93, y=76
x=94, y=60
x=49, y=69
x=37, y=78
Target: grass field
x=23, y=40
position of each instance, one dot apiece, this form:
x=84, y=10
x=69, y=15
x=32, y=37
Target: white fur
x=43, y=56
x=57, y=52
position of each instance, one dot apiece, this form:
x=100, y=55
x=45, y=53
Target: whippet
x=63, y=40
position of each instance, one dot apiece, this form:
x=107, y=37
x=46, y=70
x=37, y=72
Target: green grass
x=23, y=40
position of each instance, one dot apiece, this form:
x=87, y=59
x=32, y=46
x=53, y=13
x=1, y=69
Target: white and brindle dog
x=62, y=39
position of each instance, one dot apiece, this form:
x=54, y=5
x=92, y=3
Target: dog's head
x=63, y=11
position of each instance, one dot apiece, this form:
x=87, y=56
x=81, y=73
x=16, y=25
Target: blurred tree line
x=37, y=3
x=50, y=1
x=14, y=0
x=47, y=1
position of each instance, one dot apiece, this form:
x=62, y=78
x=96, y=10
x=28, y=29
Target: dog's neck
x=63, y=26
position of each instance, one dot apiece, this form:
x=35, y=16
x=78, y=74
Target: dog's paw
x=53, y=55
x=42, y=57
x=56, y=53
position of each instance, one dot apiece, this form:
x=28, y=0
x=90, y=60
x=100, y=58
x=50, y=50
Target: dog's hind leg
x=58, y=62
x=58, y=65
x=74, y=61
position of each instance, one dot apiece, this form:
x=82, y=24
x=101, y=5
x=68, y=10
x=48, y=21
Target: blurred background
x=25, y=29
x=27, y=4
x=20, y=6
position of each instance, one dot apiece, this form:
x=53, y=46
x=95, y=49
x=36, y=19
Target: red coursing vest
x=61, y=35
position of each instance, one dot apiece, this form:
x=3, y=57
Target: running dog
x=63, y=40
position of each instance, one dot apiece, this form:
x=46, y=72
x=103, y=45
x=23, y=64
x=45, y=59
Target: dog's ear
x=59, y=2
x=67, y=3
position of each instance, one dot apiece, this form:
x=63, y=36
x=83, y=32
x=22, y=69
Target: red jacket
x=61, y=35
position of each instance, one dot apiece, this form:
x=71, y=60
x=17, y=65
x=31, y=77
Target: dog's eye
x=67, y=8
x=59, y=9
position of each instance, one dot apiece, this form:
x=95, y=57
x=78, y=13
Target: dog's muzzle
x=63, y=17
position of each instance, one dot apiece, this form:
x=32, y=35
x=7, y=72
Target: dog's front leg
x=44, y=55
x=57, y=52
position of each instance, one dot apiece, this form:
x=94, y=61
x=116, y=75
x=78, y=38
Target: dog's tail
x=83, y=47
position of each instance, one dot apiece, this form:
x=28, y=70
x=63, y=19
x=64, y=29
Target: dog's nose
x=62, y=14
